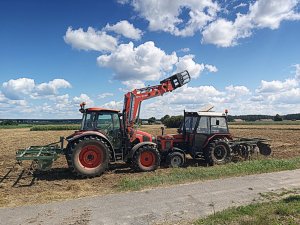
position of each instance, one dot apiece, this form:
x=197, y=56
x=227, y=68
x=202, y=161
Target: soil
x=59, y=184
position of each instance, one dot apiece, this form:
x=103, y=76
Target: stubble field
x=58, y=184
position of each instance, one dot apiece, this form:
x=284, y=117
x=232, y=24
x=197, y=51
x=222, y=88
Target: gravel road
x=171, y=204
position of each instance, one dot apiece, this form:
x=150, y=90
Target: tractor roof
x=101, y=109
x=210, y=114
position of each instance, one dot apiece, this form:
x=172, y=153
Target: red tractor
x=108, y=136
x=205, y=135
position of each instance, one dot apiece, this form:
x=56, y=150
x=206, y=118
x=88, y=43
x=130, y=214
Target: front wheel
x=175, y=159
x=146, y=158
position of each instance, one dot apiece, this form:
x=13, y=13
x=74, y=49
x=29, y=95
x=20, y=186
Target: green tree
x=173, y=121
x=151, y=120
x=277, y=118
x=164, y=118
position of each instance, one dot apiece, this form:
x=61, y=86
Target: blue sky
x=242, y=55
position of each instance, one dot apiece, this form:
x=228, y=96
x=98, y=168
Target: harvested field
x=59, y=184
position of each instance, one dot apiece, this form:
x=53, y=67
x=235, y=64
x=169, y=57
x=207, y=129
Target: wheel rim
x=147, y=159
x=91, y=156
x=220, y=153
x=176, y=161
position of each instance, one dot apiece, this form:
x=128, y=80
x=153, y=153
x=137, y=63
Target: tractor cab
x=198, y=128
x=102, y=120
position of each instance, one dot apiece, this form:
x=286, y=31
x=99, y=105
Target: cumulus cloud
x=207, y=18
x=187, y=63
x=276, y=85
x=83, y=98
x=126, y=29
x=19, y=88
x=90, y=39
x=15, y=89
x=261, y=14
x=144, y=62
x=166, y=15
x=51, y=88
x=118, y=105
x=147, y=62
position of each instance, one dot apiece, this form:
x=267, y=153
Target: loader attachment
x=43, y=156
x=178, y=79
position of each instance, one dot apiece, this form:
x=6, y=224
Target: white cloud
x=144, y=62
x=83, y=98
x=126, y=29
x=51, y=88
x=276, y=85
x=238, y=90
x=133, y=84
x=261, y=14
x=105, y=95
x=187, y=63
x=207, y=17
x=270, y=14
x=166, y=15
x=118, y=105
x=15, y=89
x=211, y=68
x=90, y=39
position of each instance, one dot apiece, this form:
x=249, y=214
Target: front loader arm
x=133, y=99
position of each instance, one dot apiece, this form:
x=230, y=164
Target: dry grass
x=59, y=184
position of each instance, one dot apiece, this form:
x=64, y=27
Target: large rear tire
x=145, y=159
x=88, y=157
x=217, y=153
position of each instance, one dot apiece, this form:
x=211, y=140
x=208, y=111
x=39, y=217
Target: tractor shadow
x=59, y=174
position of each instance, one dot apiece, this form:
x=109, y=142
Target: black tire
x=146, y=158
x=175, y=159
x=88, y=157
x=217, y=153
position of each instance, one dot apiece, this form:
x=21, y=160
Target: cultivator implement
x=245, y=147
x=41, y=156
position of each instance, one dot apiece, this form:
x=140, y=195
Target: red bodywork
x=169, y=141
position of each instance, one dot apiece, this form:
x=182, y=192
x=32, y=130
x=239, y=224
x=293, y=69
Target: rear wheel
x=175, y=159
x=217, y=152
x=88, y=157
x=146, y=158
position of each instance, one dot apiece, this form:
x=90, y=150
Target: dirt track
x=59, y=184
x=162, y=205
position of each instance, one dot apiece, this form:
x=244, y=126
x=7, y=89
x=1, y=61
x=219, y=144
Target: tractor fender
x=137, y=146
x=81, y=135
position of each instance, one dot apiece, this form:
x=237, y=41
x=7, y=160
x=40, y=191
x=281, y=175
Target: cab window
x=218, y=125
x=203, y=127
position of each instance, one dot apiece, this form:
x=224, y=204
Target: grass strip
x=285, y=211
x=190, y=174
x=54, y=127
x=16, y=126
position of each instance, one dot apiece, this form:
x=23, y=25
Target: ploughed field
x=59, y=184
